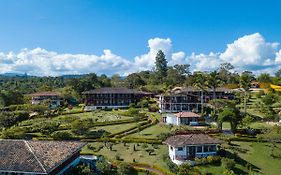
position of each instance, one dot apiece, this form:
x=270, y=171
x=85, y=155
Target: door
x=191, y=151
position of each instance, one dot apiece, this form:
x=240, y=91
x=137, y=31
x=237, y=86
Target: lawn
x=114, y=128
x=260, y=125
x=258, y=154
x=127, y=153
x=100, y=116
x=152, y=132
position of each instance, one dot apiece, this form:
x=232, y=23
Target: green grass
x=101, y=116
x=115, y=128
x=127, y=153
x=260, y=125
x=216, y=170
x=152, y=132
x=258, y=154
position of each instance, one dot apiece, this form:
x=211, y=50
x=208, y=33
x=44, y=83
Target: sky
x=58, y=37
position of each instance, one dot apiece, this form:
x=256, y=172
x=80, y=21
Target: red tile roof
x=191, y=139
x=187, y=115
x=35, y=156
x=45, y=94
x=114, y=90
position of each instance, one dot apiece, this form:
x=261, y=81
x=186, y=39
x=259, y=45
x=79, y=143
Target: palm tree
x=200, y=82
x=245, y=83
x=213, y=82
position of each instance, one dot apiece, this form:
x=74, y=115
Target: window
x=199, y=149
x=180, y=148
x=212, y=148
x=171, y=148
x=206, y=149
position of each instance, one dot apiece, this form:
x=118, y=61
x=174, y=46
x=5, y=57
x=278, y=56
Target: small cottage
x=181, y=118
x=53, y=98
x=185, y=148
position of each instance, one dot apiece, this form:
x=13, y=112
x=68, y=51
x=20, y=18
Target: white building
x=181, y=118
x=52, y=98
x=185, y=148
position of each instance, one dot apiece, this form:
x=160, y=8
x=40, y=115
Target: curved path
x=148, y=168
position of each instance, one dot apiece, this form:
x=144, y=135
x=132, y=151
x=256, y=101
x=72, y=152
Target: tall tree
x=161, y=65
x=213, y=82
x=182, y=69
x=264, y=78
x=278, y=73
x=134, y=80
x=200, y=82
x=245, y=82
x=225, y=72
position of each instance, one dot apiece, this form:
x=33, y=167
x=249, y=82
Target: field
x=127, y=153
x=152, y=132
x=258, y=155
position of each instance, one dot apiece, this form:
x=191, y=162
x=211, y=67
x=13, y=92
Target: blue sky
x=124, y=27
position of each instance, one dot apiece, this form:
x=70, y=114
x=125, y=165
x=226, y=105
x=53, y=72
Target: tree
x=213, y=82
x=200, y=82
x=228, y=164
x=186, y=169
x=225, y=72
x=103, y=166
x=278, y=73
x=182, y=69
x=117, y=81
x=126, y=169
x=134, y=80
x=173, y=77
x=245, y=82
x=264, y=78
x=232, y=115
x=161, y=65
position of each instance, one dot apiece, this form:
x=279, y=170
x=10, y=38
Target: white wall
x=171, y=119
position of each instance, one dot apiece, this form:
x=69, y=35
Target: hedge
x=246, y=139
x=126, y=140
x=135, y=130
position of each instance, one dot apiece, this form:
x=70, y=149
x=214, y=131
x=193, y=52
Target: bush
x=62, y=135
x=14, y=133
x=228, y=164
x=126, y=169
x=153, y=108
x=8, y=119
x=48, y=127
x=172, y=167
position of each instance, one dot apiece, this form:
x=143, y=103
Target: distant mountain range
x=62, y=76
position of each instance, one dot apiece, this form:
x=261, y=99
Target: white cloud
x=204, y=62
x=250, y=52
x=147, y=61
x=46, y=63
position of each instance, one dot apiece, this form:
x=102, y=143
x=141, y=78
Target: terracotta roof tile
x=187, y=114
x=191, y=139
x=35, y=156
x=45, y=94
x=113, y=90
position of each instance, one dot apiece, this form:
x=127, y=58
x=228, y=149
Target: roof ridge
x=32, y=152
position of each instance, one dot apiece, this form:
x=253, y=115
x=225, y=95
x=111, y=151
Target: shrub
x=172, y=167
x=48, y=127
x=126, y=169
x=143, y=146
x=62, y=135
x=14, y=133
x=153, y=108
x=117, y=156
x=228, y=164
